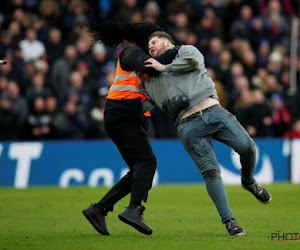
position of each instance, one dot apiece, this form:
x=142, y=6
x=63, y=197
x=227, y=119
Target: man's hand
x=151, y=62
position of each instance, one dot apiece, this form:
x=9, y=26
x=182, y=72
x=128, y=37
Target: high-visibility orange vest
x=126, y=86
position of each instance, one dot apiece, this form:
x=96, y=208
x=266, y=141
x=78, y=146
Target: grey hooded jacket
x=183, y=85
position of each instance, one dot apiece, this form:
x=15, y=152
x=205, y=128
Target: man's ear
x=168, y=43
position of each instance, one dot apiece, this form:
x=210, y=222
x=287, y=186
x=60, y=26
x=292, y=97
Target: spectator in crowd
x=3, y=84
x=192, y=39
x=84, y=70
x=223, y=69
x=42, y=67
x=180, y=6
x=236, y=70
x=32, y=48
x=77, y=88
x=239, y=46
x=276, y=28
x=14, y=28
x=257, y=31
x=214, y=50
x=50, y=12
x=126, y=10
x=19, y=15
x=7, y=71
x=71, y=123
x=61, y=70
x=96, y=65
x=259, y=79
x=151, y=12
x=8, y=119
x=181, y=28
x=241, y=27
x=285, y=80
x=258, y=116
x=54, y=46
x=281, y=118
x=5, y=43
x=79, y=30
x=74, y=11
x=295, y=130
x=263, y=53
x=248, y=60
x=51, y=109
x=267, y=7
x=37, y=88
x=274, y=65
x=38, y=122
x=41, y=28
x=18, y=64
x=205, y=31
x=272, y=85
x=83, y=50
x=240, y=85
x=19, y=104
x=26, y=77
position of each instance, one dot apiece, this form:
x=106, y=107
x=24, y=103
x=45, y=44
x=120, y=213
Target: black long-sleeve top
x=133, y=58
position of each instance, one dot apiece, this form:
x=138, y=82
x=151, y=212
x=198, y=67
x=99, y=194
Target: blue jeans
x=217, y=123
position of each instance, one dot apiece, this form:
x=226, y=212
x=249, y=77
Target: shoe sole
x=88, y=217
x=239, y=234
x=137, y=227
x=266, y=202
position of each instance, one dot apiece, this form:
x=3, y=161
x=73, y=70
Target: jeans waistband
x=194, y=115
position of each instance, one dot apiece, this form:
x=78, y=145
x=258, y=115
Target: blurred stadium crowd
x=56, y=79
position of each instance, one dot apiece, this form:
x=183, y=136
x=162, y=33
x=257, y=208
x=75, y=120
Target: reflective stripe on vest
x=124, y=76
x=123, y=87
x=126, y=85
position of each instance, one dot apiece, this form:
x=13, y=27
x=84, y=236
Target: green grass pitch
x=182, y=217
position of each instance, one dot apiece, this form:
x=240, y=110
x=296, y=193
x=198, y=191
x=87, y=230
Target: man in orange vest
x=124, y=123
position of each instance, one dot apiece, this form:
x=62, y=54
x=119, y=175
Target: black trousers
x=126, y=129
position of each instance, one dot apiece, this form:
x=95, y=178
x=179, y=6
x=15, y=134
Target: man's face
x=157, y=46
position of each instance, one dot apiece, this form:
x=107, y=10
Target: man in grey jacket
x=184, y=92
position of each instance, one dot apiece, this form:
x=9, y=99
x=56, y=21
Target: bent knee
x=250, y=150
x=247, y=148
x=211, y=175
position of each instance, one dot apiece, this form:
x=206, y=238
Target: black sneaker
x=234, y=229
x=132, y=216
x=96, y=217
x=259, y=192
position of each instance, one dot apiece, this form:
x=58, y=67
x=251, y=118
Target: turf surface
x=182, y=217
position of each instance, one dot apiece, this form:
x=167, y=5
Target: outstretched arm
x=189, y=58
x=133, y=58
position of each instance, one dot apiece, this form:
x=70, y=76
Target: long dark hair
x=112, y=32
